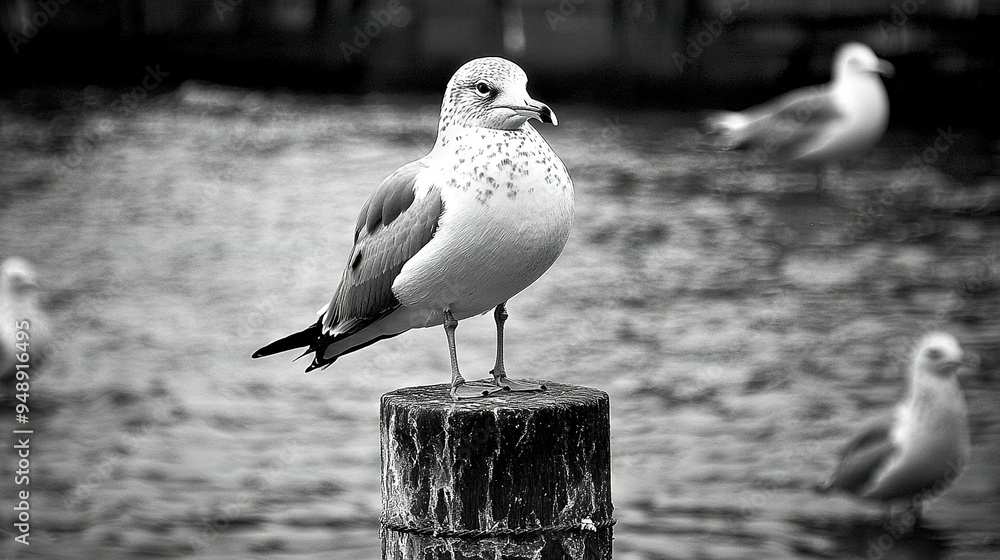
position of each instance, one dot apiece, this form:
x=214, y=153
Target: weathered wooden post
x=515, y=476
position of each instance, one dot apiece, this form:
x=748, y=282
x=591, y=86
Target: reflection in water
x=898, y=538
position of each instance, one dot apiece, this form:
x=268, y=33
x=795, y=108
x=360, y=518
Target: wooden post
x=516, y=476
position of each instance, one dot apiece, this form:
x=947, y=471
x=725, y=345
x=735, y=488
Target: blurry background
x=610, y=51
x=185, y=177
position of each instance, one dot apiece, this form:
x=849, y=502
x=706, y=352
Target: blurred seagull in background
x=457, y=232
x=815, y=125
x=919, y=452
x=19, y=313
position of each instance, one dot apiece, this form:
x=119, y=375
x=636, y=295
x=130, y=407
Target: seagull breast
x=507, y=212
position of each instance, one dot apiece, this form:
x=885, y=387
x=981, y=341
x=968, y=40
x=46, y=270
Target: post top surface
x=438, y=396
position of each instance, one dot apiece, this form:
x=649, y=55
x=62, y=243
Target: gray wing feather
x=390, y=230
x=392, y=227
x=862, y=458
x=790, y=120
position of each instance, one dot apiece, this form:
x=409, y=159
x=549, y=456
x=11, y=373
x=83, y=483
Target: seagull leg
x=887, y=511
x=918, y=513
x=820, y=173
x=459, y=388
x=500, y=316
x=500, y=379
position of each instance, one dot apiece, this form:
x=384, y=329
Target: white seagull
x=815, y=125
x=919, y=452
x=455, y=233
x=23, y=326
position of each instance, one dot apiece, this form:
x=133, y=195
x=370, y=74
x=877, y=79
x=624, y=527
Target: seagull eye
x=935, y=354
x=484, y=89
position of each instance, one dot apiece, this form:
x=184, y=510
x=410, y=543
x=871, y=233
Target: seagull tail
x=323, y=357
x=300, y=339
x=726, y=130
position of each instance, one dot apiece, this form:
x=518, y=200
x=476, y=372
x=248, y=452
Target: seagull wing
x=783, y=127
x=863, y=458
x=789, y=124
x=393, y=225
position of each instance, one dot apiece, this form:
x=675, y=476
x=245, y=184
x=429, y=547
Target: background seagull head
x=938, y=356
x=16, y=277
x=491, y=93
x=853, y=59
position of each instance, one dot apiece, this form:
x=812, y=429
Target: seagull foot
x=474, y=389
x=495, y=386
x=518, y=385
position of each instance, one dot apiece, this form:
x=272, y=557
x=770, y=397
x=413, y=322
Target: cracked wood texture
x=514, y=461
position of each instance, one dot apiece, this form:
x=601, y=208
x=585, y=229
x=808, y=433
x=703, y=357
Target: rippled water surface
x=743, y=324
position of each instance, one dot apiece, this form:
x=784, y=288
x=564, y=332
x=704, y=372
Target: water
x=743, y=324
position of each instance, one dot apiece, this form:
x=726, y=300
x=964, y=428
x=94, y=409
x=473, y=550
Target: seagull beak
x=536, y=110
x=972, y=361
x=885, y=68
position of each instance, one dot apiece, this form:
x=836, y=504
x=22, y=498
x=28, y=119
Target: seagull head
x=17, y=276
x=939, y=354
x=859, y=59
x=491, y=93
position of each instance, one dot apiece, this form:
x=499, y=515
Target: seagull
x=455, y=233
x=815, y=125
x=919, y=452
x=23, y=326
